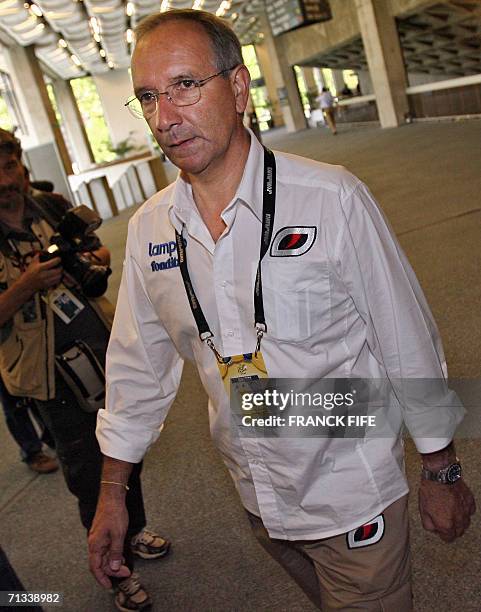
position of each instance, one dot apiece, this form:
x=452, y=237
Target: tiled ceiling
x=443, y=39
x=75, y=37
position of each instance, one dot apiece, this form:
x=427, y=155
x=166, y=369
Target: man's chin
x=11, y=202
x=188, y=164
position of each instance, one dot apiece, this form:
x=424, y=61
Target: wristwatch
x=448, y=475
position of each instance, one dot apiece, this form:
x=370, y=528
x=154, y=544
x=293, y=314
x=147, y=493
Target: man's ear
x=26, y=182
x=241, y=81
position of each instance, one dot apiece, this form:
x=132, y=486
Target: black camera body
x=68, y=243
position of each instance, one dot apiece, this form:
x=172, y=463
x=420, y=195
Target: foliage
x=53, y=102
x=123, y=147
x=90, y=108
x=6, y=122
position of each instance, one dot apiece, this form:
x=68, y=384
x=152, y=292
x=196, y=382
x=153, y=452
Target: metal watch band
x=448, y=475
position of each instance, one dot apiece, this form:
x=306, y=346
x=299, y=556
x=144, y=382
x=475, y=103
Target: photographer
x=53, y=340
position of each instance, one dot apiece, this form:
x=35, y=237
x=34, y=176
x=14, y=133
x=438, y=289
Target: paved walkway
x=428, y=179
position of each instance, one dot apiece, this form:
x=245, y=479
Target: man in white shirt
x=337, y=299
x=326, y=102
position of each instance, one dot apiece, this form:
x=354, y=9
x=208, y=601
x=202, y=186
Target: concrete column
x=114, y=87
x=365, y=82
x=284, y=77
x=338, y=80
x=29, y=96
x=271, y=83
x=73, y=124
x=309, y=79
x=39, y=114
x=318, y=77
x=385, y=60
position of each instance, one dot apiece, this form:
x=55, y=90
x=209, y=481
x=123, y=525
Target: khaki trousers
x=330, y=119
x=368, y=569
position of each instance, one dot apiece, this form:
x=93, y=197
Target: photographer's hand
x=41, y=275
x=37, y=277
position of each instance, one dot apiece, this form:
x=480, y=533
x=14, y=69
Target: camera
x=68, y=243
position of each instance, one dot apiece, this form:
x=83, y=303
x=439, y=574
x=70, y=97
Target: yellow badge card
x=249, y=366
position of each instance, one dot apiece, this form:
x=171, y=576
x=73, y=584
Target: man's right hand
x=41, y=275
x=106, y=541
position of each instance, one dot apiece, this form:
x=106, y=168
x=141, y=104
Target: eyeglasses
x=183, y=93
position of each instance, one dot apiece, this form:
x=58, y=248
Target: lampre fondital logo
x=293, y=241
x=164, y=250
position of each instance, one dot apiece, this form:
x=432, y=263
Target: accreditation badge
x=246, y=367
x=64, y=304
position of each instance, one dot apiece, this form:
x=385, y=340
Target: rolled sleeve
x=143, y=371
x=401, y=331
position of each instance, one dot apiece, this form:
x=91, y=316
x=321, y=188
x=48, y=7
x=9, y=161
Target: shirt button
x=223, y=284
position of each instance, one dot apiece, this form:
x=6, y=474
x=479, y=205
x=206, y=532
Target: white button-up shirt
x=350, y=307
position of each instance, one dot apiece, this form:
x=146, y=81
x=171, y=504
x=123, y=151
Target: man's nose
x=167, y=115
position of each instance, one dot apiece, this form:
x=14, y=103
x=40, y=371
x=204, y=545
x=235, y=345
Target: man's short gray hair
x=225, y=44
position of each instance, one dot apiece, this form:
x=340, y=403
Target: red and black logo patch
x=367, y=534
x=293, y=241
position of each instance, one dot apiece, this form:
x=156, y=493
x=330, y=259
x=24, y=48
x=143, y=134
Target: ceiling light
x=164, y=6
x=197, y=4
x=75, y=60
x=94, y=24
x=110, y=64
x=62, y=43
x=129, y=36
x=96, y=37
x=130, y=9
x=102, y=53
x=223, y=8
x=36, y=10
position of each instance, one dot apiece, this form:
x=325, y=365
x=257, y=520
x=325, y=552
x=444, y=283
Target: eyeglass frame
x=198, y=84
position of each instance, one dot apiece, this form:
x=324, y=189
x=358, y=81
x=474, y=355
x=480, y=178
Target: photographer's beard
x=11, y=198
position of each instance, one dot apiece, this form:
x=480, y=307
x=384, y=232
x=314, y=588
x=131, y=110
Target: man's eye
x=147, y=98
x=185, y=84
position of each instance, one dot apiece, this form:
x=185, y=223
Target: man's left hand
x=446, y=509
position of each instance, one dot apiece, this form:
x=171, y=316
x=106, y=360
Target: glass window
x=90, y=108
x=10, y=115
x=260, y=99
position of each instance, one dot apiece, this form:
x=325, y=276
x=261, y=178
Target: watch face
x=454, y=473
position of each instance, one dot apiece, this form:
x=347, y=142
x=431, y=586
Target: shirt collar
x=250, y=190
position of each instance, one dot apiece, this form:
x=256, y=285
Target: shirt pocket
x=296, y=295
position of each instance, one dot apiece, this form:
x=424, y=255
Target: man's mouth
x=9, y=191
x=180, y=142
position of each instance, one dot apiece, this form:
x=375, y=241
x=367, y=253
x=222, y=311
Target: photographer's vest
x=27, y=342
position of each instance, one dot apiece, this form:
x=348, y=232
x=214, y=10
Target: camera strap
x=83, y=374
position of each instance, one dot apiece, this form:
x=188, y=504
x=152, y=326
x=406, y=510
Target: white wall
x=114, y=87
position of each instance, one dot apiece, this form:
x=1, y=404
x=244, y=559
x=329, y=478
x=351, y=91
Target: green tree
x=91, y=110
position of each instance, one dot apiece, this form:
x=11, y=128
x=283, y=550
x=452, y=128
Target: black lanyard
x=268, y=210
